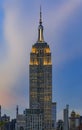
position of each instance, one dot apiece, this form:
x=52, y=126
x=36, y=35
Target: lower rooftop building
x=34, y=118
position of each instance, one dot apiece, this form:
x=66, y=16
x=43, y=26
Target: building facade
x=60, y=125
x=54, y=114
x=34, y=119
x=74, y=121
x=40, y=76
x=66, y=117
x=20, y=122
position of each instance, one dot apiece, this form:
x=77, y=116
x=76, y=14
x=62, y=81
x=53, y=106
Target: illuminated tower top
x=40, y=29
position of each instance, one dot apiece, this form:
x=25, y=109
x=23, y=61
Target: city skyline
x=63, y=28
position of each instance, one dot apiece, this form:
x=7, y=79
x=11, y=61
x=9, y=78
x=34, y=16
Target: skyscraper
x=66, y=117
x=40, y=76
x=54, y=114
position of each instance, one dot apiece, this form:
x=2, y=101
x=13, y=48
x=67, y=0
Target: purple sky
x=62, y=22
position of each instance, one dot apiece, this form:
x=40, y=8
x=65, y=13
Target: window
x=21, y=128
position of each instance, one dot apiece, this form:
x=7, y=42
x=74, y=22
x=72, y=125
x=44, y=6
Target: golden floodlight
x=33, y=50
x=47, y=50
x=47, y=62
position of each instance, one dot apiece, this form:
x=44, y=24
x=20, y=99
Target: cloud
x=20, y=34
x=58, y=22
x=62, y=14
x=14, y=66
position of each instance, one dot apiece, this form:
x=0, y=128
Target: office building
x=20, y=122
x=54, y=114
x=34, y=119
x=40, y=77
x=74, y=120
x=66, y=118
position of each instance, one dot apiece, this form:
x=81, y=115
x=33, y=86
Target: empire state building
x=40, y=77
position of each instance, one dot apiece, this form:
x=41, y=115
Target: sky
x=62, y=21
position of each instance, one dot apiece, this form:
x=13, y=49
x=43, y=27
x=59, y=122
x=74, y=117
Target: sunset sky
x=62, y=21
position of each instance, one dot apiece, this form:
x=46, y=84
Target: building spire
x=17, y=110
x=40, y=15
x=40, y=28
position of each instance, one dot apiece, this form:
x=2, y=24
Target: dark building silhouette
x=60, y=125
